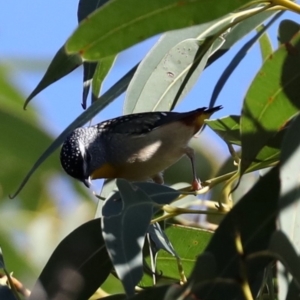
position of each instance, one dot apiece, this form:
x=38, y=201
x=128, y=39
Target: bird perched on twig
x=136, y=147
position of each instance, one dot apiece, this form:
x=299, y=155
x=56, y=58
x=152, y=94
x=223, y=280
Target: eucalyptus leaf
x=117, y=30
x=160, y=240
x=124, y=234
x=172, y=52
x=237, y=32
x=79, y=265
x=159, y=194
x=86, y=7
x=162, y=86
x=102, y=70
x=265, y=43
x=61, y=65
x=89, y=69
x=287, y=30
x=271, y=101
x=228, y=128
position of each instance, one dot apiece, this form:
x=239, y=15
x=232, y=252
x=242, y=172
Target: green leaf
x=271, y=100
x=86, y=7
x=89, y=69
x=61, y=65
x=80, y=263
x=287, y=30
x=87, y=115
x=124, y=234
x=264, y=43
x=147, y=66
x=255, y=227
x=170, y=55
x=228, y=128
x=189, y=243
x=103, y=68
x=232, y=37
x=109, y=30
x=246, y=26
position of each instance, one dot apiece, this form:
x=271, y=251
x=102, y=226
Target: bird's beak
x=87, y=182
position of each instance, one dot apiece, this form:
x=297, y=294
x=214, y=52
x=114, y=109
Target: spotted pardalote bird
x=136, y=147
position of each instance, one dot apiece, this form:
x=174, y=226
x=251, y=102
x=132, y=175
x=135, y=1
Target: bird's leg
x=196, y=183
x=158, y=178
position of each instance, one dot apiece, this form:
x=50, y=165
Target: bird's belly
x=153, y=153
x=145, y=169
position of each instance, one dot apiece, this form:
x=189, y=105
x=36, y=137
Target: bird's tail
x=202, y=114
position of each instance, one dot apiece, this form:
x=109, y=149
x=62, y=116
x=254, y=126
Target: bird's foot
x=196, y=185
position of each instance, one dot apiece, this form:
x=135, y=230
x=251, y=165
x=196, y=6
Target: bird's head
x=75, y=157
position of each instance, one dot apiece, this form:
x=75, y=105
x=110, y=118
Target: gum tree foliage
x=135, y=237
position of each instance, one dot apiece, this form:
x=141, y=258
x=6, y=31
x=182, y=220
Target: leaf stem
x=243, y=273
x=175, y=211
x=290, y=5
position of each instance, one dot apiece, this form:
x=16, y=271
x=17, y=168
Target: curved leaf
x=228, y=128
x=164, y=83
x=77, y=267
x=181, y=242
x=117, y=30
x=103, y=68
x=271, y=100
x=86, y=7
x=89, y=69
x=124, y=234
x=61, y=65
x=161, y=56
x=265, y=43
x=287, y=30
x=159, y=194
x=238, y=32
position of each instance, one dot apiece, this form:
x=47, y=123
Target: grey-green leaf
x=86, y=7
x=124, y=234
x=109, y=30
x=61, y=65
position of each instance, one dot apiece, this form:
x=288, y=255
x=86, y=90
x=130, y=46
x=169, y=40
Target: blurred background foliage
x=49, y=207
